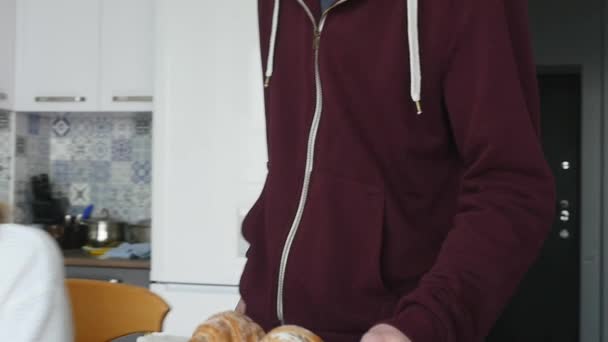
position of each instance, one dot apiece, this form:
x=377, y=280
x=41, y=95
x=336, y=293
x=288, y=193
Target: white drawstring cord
x=414, y=46
x=273, y=41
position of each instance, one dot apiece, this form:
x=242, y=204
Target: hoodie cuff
x=418, y=324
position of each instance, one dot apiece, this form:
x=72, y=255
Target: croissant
x=291, y=333
x=228, y=326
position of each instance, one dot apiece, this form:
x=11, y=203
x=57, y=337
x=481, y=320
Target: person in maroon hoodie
x=407, y=193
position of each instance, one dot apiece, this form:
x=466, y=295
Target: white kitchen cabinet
x=76, y=55
x=127, y=28
x=209, y=146
x=58, y=55
x=8, y=17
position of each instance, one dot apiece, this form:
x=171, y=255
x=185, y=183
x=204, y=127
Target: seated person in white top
x=33, y=301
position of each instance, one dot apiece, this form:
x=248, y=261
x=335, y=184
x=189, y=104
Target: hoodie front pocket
x=333, y=278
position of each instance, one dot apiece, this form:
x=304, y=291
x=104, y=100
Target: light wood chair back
x=103, y=311
x=3, y=212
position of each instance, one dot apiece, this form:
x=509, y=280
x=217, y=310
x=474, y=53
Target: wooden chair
x=4, y=213
x=104, y=311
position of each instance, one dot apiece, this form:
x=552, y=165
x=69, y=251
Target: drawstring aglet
x=267, y=81
x=418, y=107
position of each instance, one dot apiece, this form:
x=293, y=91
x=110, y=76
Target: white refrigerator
x=209, y=153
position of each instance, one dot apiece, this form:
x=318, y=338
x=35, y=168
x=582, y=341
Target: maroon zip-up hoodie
x=374, y=213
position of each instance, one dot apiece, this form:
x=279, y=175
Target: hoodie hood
x=412, y=37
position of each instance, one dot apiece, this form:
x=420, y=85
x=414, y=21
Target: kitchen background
x=79, y=109
x=91, y=158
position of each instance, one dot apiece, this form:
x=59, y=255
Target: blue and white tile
x=5, y=120
x=122, y=212
x=5, y=168
x=142, y=195
x=121, y=172
x=21, y=146
x=142, y=147
x=5, y=145
x=61, y=126
x=33, y=124
x=143, y=213
x=80, y=194
x=60, y=171
x=22, y=191
x=80, y=147
x=102, y=126
x=4, y=191
x=142, y=172
x=20, y=127
x=43, y=148
x=79, y=172
x=20, y=165
x=126, y=196
x=100, y=171
x=101, y=149
x=141, y=208
x=33, y=151
x=60, y=149
x=115, y=198
x=97, y=194
x=45, y=126
x=122, y=150
x=124, y=128
x=143, y=123
x=38, y=147
x=104, y=195
x=82, y=125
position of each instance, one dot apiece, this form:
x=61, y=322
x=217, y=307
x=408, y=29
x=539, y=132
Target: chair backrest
x=104, y=311
x=3, y=212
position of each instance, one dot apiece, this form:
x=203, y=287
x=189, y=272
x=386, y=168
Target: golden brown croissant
x=291, y=333
x=228, y=326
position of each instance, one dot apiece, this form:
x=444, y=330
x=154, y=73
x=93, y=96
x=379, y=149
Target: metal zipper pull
x=316, y=40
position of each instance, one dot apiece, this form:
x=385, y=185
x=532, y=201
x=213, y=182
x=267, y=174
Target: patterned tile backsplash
x=92, y=158
x=5, y=156
x=32, y=151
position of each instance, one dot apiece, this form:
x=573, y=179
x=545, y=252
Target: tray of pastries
x=232, y=326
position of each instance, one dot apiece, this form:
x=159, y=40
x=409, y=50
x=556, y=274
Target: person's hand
x=241, y=307
x=384, y=333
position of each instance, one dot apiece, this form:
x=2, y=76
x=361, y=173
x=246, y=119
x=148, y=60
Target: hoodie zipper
x=310, y=153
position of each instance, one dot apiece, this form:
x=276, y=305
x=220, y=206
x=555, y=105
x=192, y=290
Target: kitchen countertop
x=77, y=257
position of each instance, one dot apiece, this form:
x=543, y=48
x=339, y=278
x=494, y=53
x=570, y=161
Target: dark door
x=546, y=306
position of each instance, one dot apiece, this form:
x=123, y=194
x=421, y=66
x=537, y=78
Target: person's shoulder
x=20, y=233
x=28, y=244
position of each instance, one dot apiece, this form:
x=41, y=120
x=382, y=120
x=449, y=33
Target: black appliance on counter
x=50, y=213
x=45, y=208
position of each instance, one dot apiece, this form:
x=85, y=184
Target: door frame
x=590, y=201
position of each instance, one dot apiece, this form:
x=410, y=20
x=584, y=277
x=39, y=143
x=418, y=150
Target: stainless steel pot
x=104, y=232
x=136, y=233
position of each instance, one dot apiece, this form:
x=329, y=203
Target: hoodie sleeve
x=506, y=201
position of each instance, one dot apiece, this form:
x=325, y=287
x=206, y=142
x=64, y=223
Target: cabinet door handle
x=3, y=96
x=132, y=98
x=60, y=99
